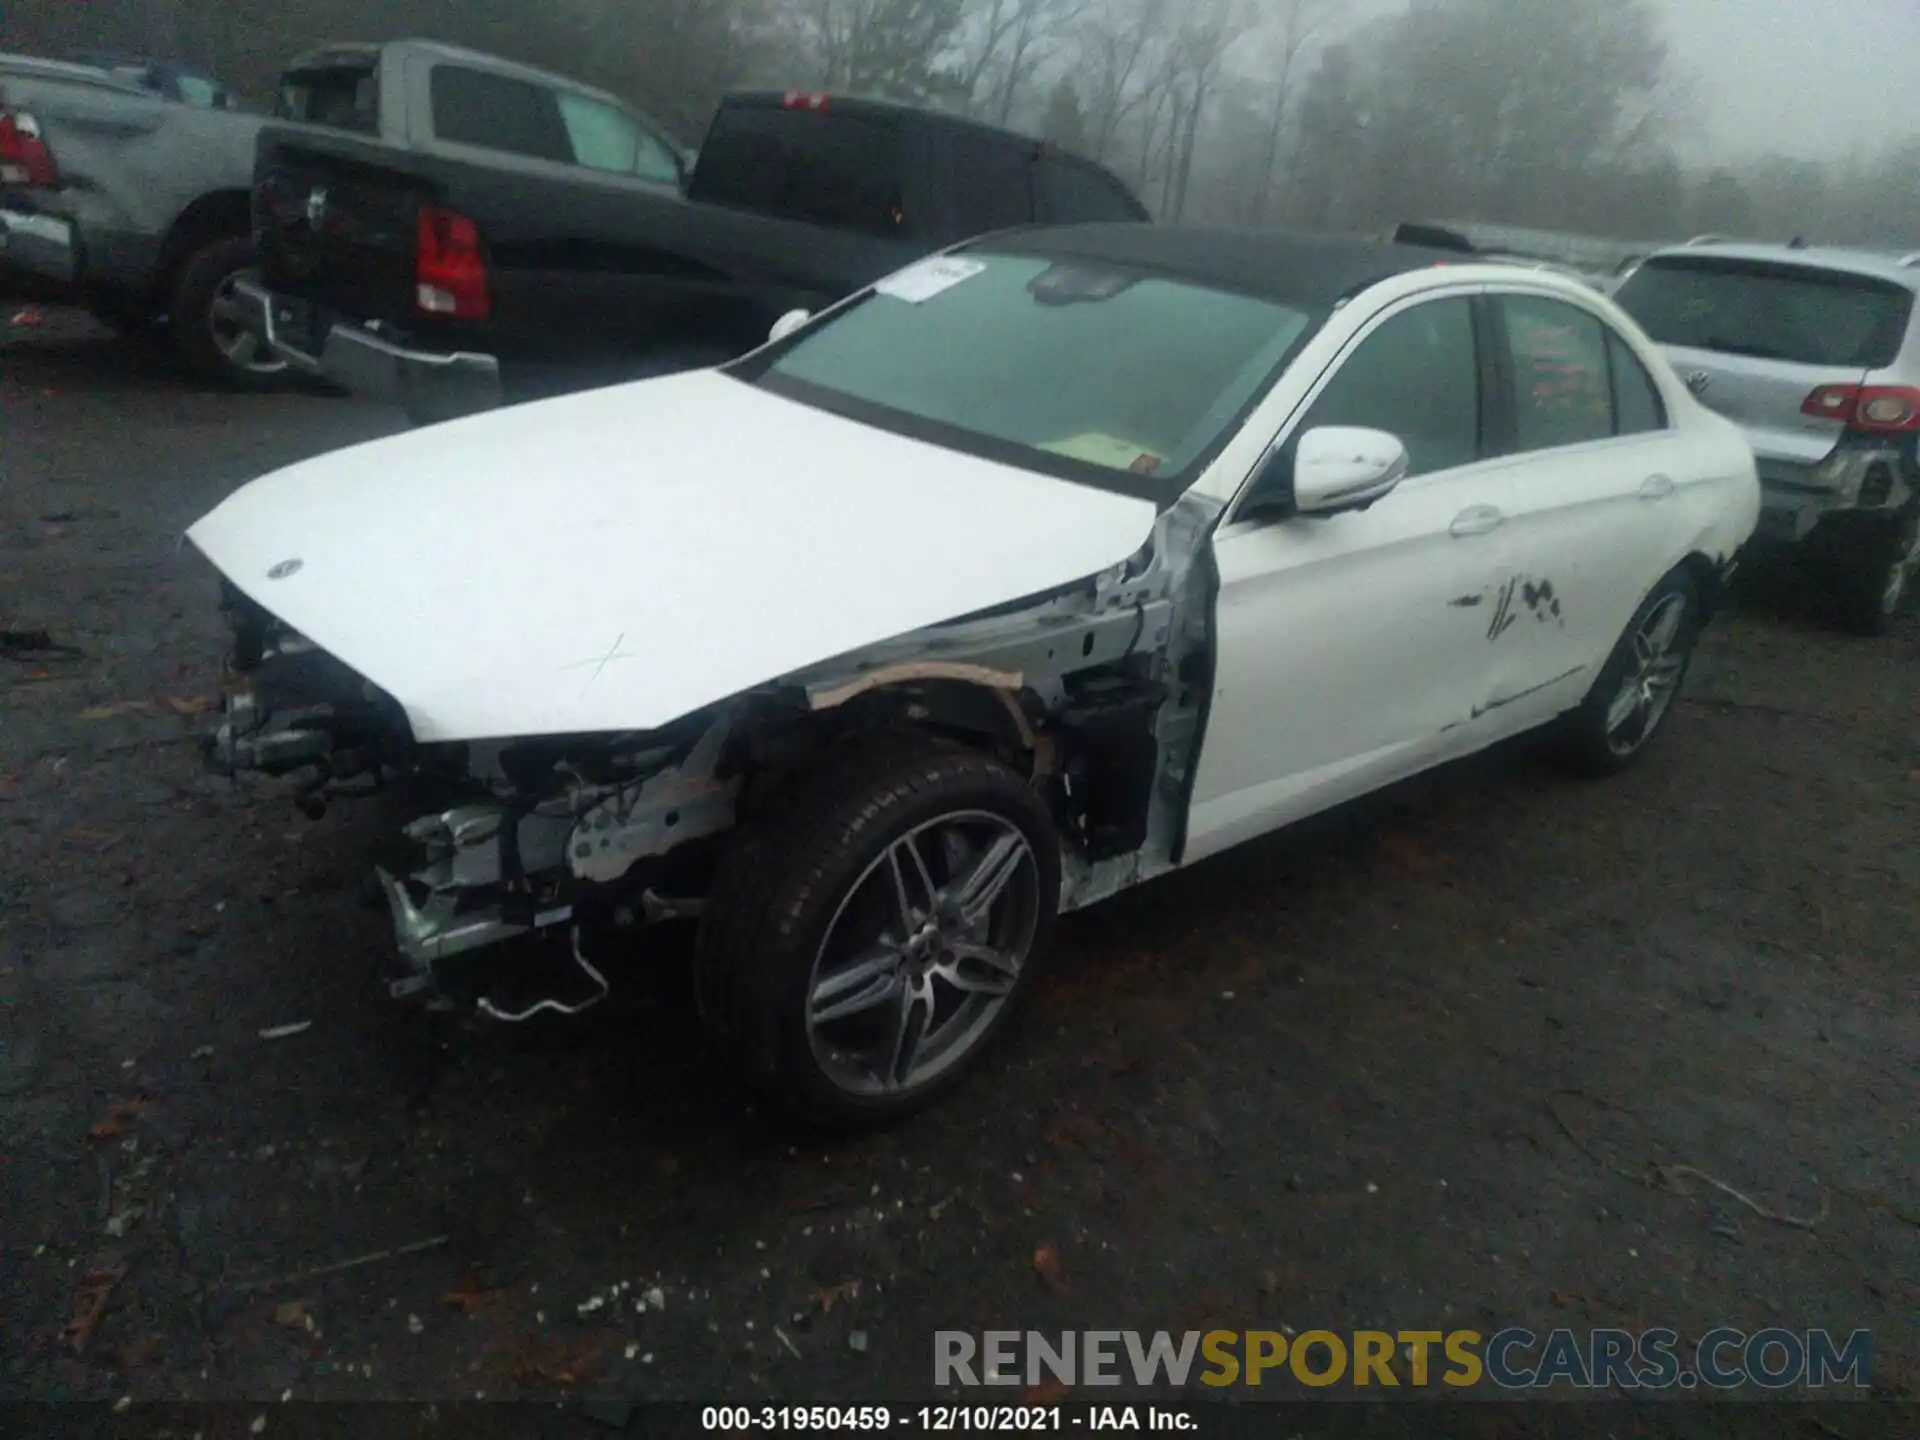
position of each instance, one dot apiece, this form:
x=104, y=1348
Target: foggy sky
x=1798, y=76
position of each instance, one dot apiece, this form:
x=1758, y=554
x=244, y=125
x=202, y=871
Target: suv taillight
x=24, y=156
x=1879, y=408
x=450, y=272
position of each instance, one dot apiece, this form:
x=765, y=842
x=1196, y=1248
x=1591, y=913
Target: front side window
x=606, y=138
x=1416, y=376
x=1769, y=310
x=1086, y=370
x=1562, y=384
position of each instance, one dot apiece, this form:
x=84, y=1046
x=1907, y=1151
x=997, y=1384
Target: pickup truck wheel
x=209, y=335
x=1629, y=703
x=870, y=934
x=1877, y=573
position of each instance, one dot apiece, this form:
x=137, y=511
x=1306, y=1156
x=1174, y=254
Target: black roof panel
x=1313, y=270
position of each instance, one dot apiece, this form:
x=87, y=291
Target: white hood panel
x=616, y=559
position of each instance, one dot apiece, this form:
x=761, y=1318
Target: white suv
x=1816, y=355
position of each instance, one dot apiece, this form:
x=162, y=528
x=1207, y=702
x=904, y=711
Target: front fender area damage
x=1097, y=692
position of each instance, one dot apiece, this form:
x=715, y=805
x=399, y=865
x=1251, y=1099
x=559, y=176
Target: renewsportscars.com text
x=1512, y=1359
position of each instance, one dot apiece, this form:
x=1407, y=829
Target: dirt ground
x=1470, y=1055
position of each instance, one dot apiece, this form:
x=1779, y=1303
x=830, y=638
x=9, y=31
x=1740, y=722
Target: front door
x=1353, y=649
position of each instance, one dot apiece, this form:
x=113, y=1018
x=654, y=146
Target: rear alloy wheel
x=1878, y=578
x=1630, y=701
x=877, y=927
x=208, y=324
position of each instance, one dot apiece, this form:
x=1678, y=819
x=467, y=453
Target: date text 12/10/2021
x=944, y=1419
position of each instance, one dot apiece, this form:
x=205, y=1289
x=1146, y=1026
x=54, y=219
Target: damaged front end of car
x=1096, y=691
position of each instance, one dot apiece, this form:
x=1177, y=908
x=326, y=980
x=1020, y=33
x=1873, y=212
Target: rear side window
x=1072, y=192
x=1637, y=406
x=603, y=137
x=496, y=112
x=345, y=97
x=1770, y=311
x=820, y=168
x=992, y=184
x=1562, y=383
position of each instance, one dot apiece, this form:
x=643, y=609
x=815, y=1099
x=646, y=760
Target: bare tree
x=1200, y=50
x=1292, y=25
x=1116, y=51
x=893, y=48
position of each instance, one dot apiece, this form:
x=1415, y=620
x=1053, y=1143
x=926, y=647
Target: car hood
x=619, y=558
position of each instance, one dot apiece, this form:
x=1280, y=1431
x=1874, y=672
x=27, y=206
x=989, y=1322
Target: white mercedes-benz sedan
x=1047, y=566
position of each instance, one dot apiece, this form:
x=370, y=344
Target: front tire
x=870, y=934
x=1629, y=703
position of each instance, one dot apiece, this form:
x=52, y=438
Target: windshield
x=1769, y=311
x=1115, y=377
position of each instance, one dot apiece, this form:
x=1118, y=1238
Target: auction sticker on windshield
x=928, y=278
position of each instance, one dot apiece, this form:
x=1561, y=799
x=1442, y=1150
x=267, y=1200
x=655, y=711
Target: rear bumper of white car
x=428, y=385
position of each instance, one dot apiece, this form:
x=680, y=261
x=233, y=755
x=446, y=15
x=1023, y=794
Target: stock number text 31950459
x=879, y=1417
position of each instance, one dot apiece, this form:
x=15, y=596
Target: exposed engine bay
x=1097, y=691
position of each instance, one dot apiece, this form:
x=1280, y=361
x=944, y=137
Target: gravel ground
x=1435, y=1061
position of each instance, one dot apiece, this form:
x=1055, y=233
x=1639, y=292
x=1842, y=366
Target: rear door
x=1597, y=480
x=1755, y=338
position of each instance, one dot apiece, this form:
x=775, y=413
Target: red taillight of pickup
x=1886, y=409
x=450, y=271
x=24, y=156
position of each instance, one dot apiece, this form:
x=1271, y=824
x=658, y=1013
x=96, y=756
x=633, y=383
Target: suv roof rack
x=1708, y=240
x=1911, y=260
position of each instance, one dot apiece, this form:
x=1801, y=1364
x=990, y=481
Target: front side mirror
x=787, y=324
x=1343, y=467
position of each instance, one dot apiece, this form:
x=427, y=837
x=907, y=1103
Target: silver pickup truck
x=134, y=205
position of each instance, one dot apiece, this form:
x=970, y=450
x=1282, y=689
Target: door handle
x=1476, y=520
x=1657, y=487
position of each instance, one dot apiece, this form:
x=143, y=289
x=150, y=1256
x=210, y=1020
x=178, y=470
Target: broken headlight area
x=291, y=708
x=560, y=839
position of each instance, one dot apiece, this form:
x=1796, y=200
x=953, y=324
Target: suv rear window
x=840, y=171
x=346, y=97
x=1771, y=311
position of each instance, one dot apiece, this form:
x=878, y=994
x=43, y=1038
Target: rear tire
x=823, y=971
x=1875, y=573
x=1630, y=701
x=208, y=339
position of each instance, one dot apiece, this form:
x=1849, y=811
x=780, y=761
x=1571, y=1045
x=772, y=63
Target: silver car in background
x=1815, y=353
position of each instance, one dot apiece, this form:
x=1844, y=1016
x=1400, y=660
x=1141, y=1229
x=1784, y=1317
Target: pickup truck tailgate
x=336, y=227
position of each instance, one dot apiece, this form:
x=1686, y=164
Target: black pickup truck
x=448, y=231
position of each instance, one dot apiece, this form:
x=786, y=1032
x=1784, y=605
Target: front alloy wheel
x=873, y=928
x=923, y=953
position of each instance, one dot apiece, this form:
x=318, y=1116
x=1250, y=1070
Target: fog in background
x=1638, y=119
